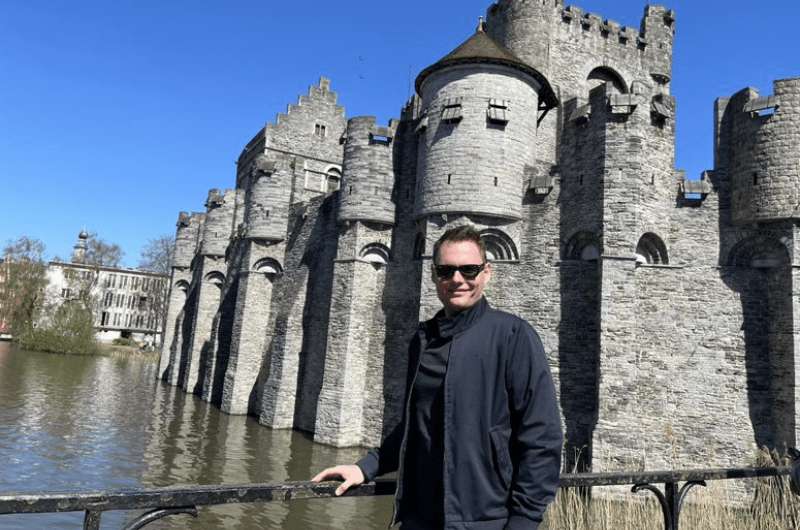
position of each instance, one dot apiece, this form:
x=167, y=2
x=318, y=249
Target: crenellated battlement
x=365, y=130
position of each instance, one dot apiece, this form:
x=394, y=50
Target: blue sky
x=117, y=115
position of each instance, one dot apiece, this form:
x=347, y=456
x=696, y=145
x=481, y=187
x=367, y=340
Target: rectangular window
x=104, y=319
x=497, y=111
x=146, y=284
x=64, y=293
x=136, y=280
x=452, y=111
x=113, y=281
x=320, y=130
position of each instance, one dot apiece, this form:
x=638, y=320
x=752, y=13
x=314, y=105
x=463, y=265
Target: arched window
x=269, y=267
x=583, y=246
x=651, y=249
x=499, y=247
x=334, y=180
x=215, y=278
x=182, y=285
x=759, y=252
x=375, y=253
x=604, y=74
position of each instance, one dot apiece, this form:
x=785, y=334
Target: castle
x=669, y=307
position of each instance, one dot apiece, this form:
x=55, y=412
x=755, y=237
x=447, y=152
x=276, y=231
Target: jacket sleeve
x=385, y=459
x=536, y=439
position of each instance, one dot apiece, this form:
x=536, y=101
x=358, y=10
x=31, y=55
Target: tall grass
x=755, y=504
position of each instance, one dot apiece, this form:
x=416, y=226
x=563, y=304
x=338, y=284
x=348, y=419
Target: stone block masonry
x=669, y=311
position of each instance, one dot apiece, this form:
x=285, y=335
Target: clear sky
x=116, y=115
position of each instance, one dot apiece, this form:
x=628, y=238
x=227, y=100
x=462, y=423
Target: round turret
x=368, y=172
x=267, y=200
x=525, y=28
x=481, y=105
x=765, y=165
x=219, y=219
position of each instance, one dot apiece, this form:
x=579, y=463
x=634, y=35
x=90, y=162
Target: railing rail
x=163, y=502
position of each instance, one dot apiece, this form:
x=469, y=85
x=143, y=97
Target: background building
x=668, y=307
x=126, y=303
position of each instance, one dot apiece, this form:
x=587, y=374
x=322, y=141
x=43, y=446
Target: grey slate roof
x=481, y=48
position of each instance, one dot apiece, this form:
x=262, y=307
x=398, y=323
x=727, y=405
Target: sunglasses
x=469, y=272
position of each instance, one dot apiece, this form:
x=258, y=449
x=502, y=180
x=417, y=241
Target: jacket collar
x=443, y=327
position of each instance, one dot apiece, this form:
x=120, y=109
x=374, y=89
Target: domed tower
x=479, y=134
x=368, y=172
x=79, y=250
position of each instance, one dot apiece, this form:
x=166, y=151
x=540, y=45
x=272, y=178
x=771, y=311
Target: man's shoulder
x=513, y=324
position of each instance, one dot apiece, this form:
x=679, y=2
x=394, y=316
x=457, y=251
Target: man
x=480, y=441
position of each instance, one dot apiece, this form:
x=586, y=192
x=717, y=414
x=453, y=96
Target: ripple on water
x=86, y=423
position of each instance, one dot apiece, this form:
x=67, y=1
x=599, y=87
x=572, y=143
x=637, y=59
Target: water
x=70, y=423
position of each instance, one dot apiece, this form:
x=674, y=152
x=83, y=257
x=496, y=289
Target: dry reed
x=756, y=504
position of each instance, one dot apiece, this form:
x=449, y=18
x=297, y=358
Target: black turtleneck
x=423, y=486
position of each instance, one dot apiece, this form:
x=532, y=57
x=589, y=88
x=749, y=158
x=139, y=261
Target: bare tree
x=23, y=279
x=156, y=255
x=101, y=253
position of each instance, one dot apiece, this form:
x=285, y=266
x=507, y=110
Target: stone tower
x=366, y=217
x=79, y=250
x=477, y=141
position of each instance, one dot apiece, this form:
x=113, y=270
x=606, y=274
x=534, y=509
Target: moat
x=73, y=423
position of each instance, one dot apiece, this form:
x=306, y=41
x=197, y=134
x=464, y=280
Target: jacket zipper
x=444, y=431
x=402, y=455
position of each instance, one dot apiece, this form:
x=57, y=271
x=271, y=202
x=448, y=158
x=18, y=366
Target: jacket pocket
x=499, y=438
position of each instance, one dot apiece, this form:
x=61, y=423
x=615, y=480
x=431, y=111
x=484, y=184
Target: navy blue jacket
x=502, y=429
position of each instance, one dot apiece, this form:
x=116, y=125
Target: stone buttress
x=355, y=349
x=189, y=228
x=260, y=246
x=208, y=279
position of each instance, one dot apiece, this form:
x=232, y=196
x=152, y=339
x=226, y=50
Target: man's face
x=458, y=293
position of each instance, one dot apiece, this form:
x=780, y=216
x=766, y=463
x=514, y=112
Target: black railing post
x=673, y=506
x=91, y=521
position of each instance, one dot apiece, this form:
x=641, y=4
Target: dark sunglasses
x=469, y=272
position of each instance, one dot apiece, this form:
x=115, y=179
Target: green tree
x=23, y=282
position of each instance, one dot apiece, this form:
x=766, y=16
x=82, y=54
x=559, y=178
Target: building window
x=104, y=318
x=320, y=130
x=334, y=180
x=452, y=111
x=107, y=299
x=497, y=111
x=64, y=293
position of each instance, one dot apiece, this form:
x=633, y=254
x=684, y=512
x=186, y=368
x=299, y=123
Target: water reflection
x=72, y=423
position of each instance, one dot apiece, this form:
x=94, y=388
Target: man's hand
x=351, y=475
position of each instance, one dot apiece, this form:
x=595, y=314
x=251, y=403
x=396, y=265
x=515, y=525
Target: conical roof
x=481, y=48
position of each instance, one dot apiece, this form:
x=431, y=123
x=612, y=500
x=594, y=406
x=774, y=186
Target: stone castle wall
x=667, y=307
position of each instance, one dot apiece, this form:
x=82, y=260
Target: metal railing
x=163, y=502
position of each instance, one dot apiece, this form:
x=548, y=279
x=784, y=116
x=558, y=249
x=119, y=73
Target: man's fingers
x=344, y=487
